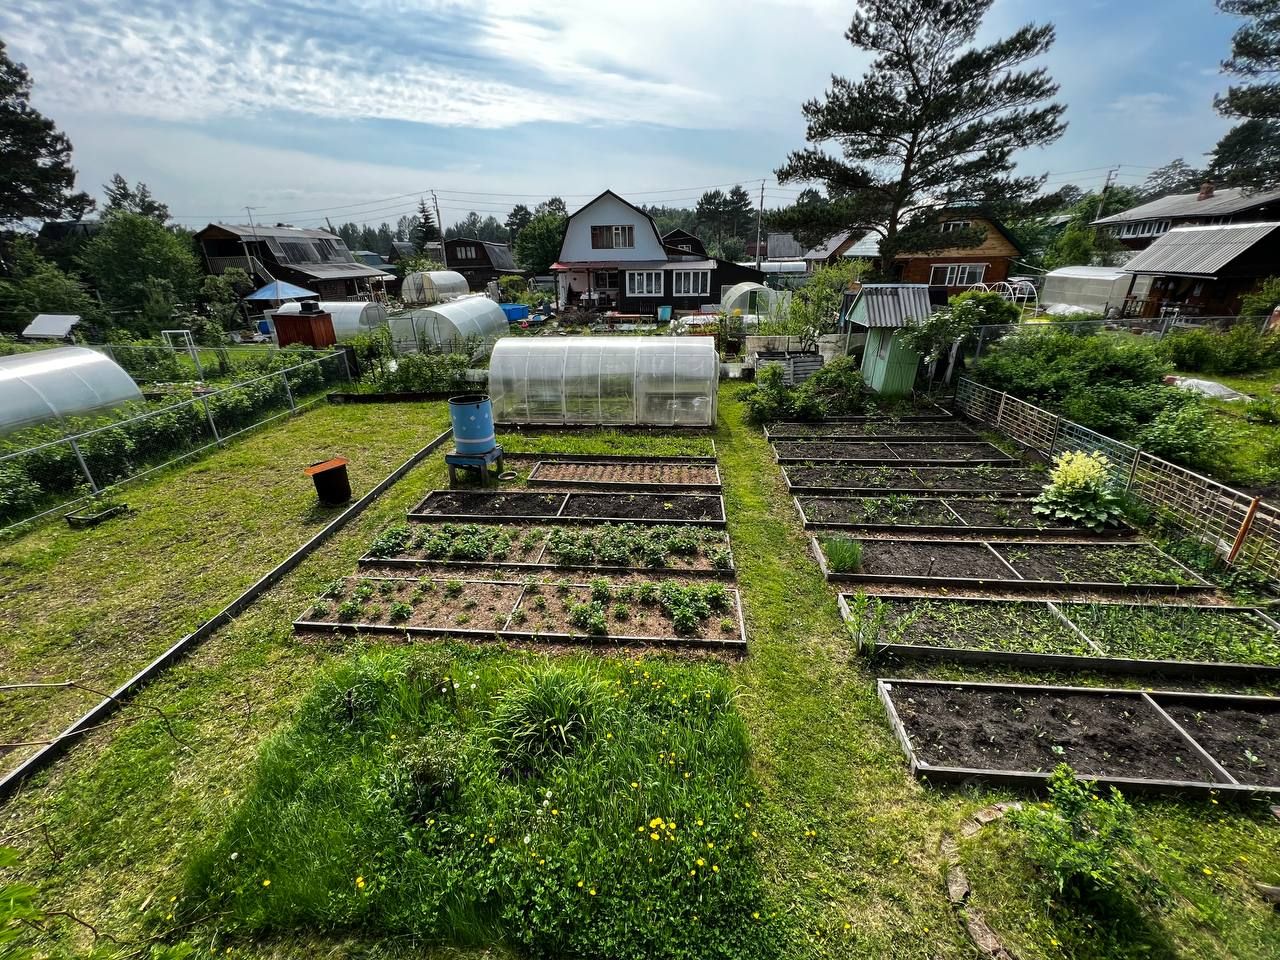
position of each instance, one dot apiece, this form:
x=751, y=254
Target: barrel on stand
x=472, y=418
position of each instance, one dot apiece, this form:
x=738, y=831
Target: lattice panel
x=1072, y=436
x=1203, y=507
x=978, y=402
x=1027, y=423
x=1261, y=547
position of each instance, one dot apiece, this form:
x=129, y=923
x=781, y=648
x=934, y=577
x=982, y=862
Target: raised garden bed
x=934, y=515
x=1236, y=644
x=625, y=475
x=1118, y=567
x=670, y=612
x=1016, y=734
x=92, y=516
x=875, y=481
x=1243, y=737
x=941, y=453
x=872, y=429
x=532, y=546
x=572, y=507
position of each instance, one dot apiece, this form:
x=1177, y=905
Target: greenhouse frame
x=350, y=317
x=452, y=324
x=61, y=382
x=635, y=381
x=433, y=286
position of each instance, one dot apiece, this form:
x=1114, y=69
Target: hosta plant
x=1080, y=490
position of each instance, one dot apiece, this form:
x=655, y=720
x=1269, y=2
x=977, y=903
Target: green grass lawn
x=96, y=605
x=134, y=832
x=1251, y=459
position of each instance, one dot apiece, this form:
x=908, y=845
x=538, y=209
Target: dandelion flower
x=592, y=891
x=715, y=868
x=634, y=785
x=653, y=836
x=266, y=883
x=235, y=855
x=755, y=914
x=700, y=862
x=579, y=883
x=1207, y=872
x=527, y=839
x=359, y=883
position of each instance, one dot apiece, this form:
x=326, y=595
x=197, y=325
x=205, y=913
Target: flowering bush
x=1079, y=489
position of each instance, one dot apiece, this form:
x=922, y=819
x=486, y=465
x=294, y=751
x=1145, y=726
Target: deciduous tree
x=136, y=199
x=933, y=123
x=135, y=263
x=538, y=245
x=36, y=285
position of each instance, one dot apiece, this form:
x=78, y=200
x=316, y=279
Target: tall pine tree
x=424, y=231
x=35, y=159
x=1249, y=154
x=934, y=123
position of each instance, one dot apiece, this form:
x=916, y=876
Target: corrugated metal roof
x=262, y=230
x=1224, y=202
x=890, y=304
x=867, y=248
x=828, y=246
x=500, y=256
x=1088, y=273
x=783, y=246
x=51, y=325
x=1199, y=251
x=335, y=271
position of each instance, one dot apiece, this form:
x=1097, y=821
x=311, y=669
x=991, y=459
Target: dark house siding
x=726, y=274
x=480, y=268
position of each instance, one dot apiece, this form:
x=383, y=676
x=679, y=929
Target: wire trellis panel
x=978, y=402
x=1260, y=548
x=1027, y=423
x=1205, y=508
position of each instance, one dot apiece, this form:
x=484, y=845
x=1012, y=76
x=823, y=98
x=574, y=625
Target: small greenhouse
x=1089, y=289
x=350, y=317
x=450, y=325
x=660, y=381
x=62, y=382
x=433, y=286
x=749, y=298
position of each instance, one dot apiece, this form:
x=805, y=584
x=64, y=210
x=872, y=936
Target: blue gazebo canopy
x=279, y=291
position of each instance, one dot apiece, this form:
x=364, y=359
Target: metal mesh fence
x=1238, y=527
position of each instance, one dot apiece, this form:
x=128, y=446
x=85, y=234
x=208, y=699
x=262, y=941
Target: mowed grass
x=96, y=605
x=847, y=850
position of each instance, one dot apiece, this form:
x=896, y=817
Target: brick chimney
x=1206, y=190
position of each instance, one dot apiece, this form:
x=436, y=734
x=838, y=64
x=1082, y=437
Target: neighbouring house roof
x=783, y=246
x=636, y=265
x=676, y=237
x=829, y=246
x=1199, y=251
x=53, y=326
x=865, y=248
x=247, y=232
x=500, y=256
x=1088, y=273
x=1224, y=202
x=653, y=224
x=890, y=304
x=370, y=258
x=62, y=229
x=335, y=271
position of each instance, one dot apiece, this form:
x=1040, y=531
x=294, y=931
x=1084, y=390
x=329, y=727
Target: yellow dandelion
x=655, y=822
x=359, y=883
x=693, y=873
x=715, y=868
x=266, y=883
x=699, y=822
x=700, y=862
x=1207, y=872
x=579, y=884
x=755, y=914
x=592, y=891
x=634, y=785
x=653, y=836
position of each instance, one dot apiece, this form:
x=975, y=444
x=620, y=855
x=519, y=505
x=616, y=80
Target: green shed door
x=888, y=367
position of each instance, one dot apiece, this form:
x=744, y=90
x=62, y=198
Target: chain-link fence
x=1239, y=527
x=55, y=470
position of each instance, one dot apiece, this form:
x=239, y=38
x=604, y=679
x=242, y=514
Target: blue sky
x=301, y=108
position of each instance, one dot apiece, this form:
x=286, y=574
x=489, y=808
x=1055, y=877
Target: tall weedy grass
x=572, y=808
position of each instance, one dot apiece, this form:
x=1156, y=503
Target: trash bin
x=330, y=477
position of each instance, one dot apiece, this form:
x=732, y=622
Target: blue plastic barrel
x=515, y=311
x=472, y=417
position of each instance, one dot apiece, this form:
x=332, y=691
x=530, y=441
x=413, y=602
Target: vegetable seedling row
x=1015, y=734
x=625, y=475
x=853, y=480
x=940, y=515
x=508, y=613
x=906, y=452
x=696, y=509
x=994, y=565
x=885, y=430
x=1011, y=630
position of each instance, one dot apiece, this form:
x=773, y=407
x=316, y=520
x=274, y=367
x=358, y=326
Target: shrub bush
x=836, y=390
x=1080, y=489
x=1186, y=434
x=1239, y=350
x=421, y=373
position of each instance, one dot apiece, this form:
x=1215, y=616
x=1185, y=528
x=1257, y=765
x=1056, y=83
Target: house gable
x=997, y=244
x=610, y=210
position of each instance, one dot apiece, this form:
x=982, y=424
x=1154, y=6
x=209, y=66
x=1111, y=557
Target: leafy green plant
x=350, y=610
x=1080, y=490
x=1187, y=435
x=391, y=540
x=843, y=555
x=589, y=617
x=621, y=611
x=1078, y=837
x=547, y=717
x=1263, y=410
x=453, y=588
x=601, y=590
x=400, y=612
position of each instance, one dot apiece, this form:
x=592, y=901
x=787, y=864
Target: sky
x=304, y=109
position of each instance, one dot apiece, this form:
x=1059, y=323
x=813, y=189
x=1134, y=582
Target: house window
x=613, y=237
x=686, y=247
x=957, y=274
x=954, y=226
x=605, y=279
x=644, y=283
x=465, y=253
x=690, y=283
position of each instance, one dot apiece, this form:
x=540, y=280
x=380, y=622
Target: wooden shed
x=883, y=309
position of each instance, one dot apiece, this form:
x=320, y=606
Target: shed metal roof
x=262, y=230
x=54, y=326
x=828, y=246
x=1199, y=251
x=783, y=246
x=1224, y=202
x=890, y=304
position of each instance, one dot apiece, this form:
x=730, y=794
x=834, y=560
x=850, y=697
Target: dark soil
x=904, y=511
x=900, y=558
x=870, y=429
x=1135, y=563
x=906, y=451
x=627, y=473
x=445, y=503
x=545, y=609
x=979, y=625
x=996, y=729
x=1226, y=732
x=465, y=604
x=644, y=506
x=976, y=480
x=1013, y=514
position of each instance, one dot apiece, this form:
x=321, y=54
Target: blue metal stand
x=479, y=462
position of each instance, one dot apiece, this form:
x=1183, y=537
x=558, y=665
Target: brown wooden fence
x=1239, y=527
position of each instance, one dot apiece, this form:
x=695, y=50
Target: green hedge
x=1239, y=350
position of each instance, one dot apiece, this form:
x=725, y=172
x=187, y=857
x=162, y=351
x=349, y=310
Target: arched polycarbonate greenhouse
x=349, y=317
x=66, y=381
x=660, y=381
x=433, y=286
x=452, y=324
x=749, y=298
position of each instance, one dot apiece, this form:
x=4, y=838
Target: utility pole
x=1106, y=188
x=759, y=220
x=444, y=254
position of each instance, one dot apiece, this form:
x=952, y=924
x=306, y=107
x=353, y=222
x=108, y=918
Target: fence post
x=1133, y=470
x=287, y=392
x=346, y=367
x=1053, y=440
x=212, y=426
x=1000, y=409
x=1244, y=530
x=93, y=484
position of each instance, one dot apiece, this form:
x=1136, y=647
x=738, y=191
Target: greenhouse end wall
x=633, y=381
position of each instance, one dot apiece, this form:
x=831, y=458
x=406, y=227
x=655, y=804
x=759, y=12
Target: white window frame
x=952, y=272
x=645, y=283
x=466, y=253
x=620, y=236
x=690, y=283
x=954, y=226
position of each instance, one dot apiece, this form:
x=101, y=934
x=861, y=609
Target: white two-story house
x=613, y=258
